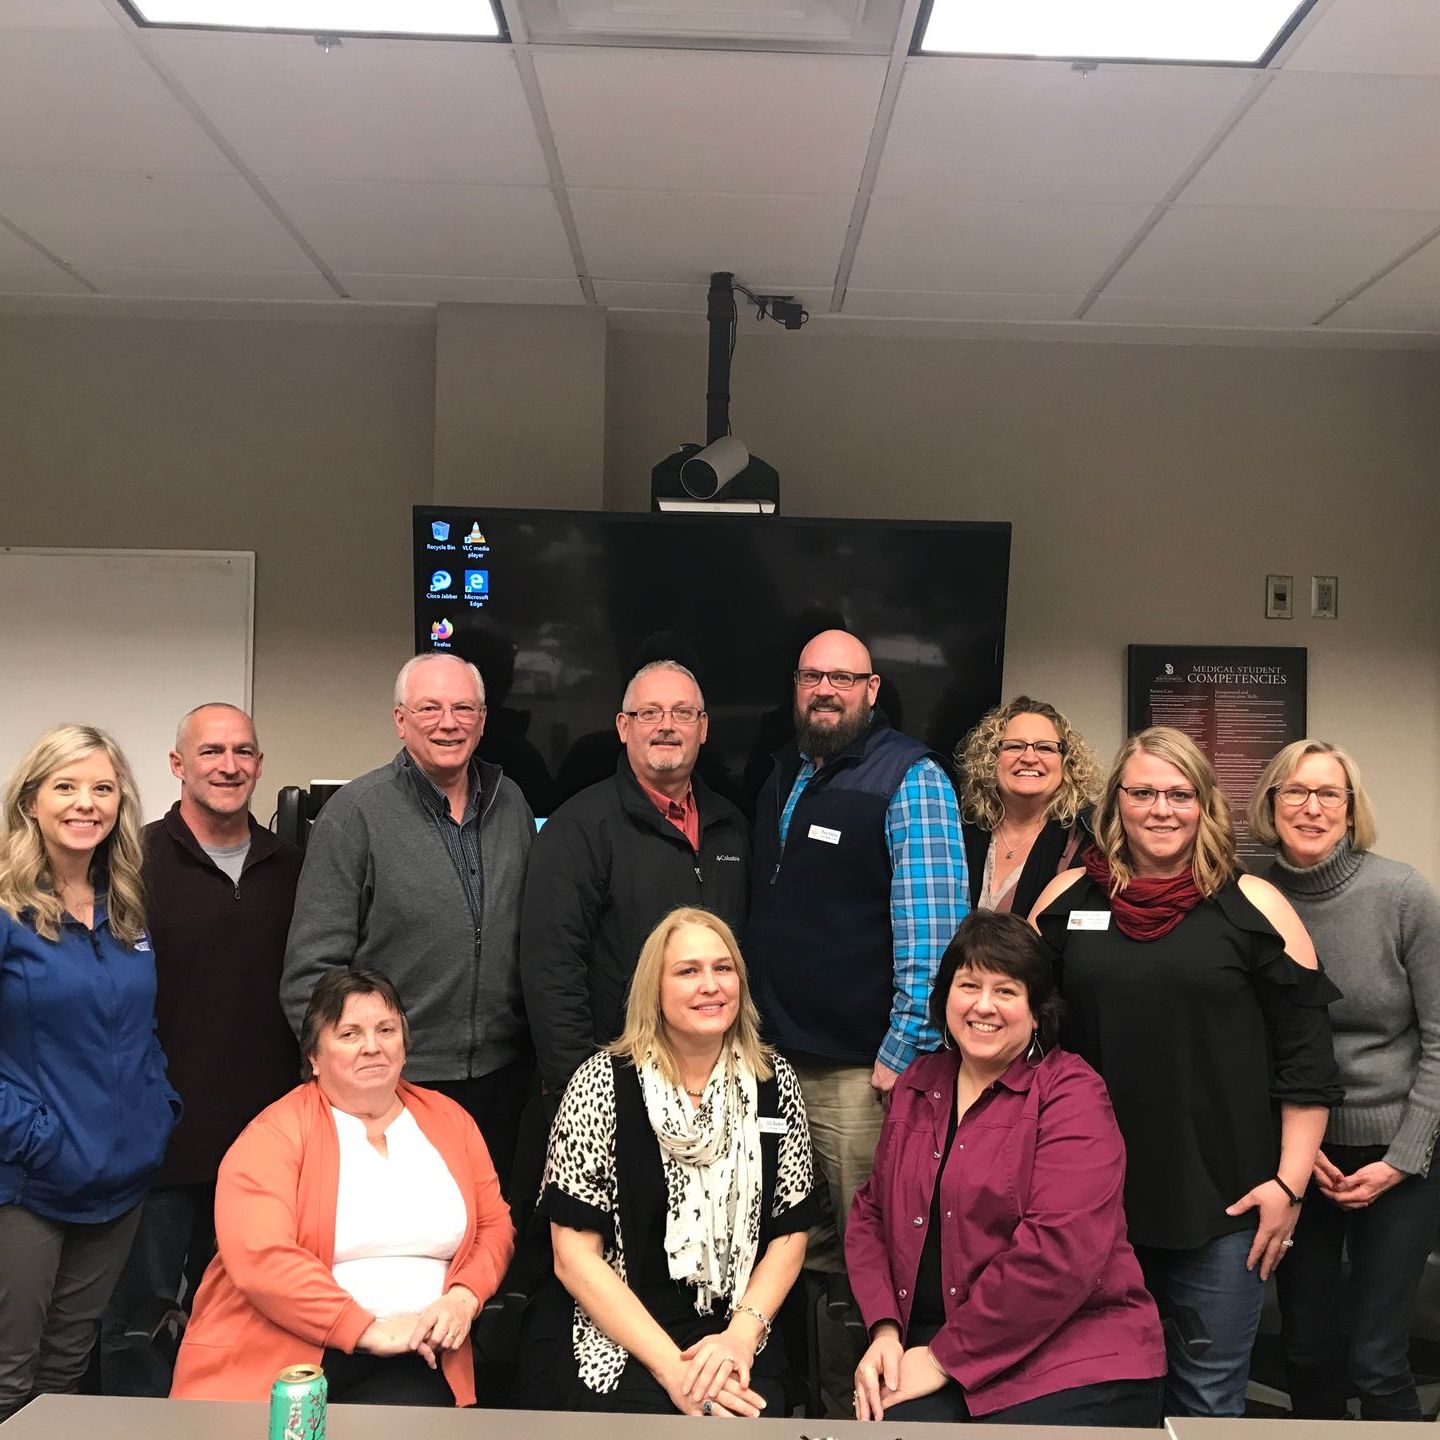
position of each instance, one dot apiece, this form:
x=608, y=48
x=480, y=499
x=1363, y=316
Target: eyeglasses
x=1329, y=796
x=1040, y=747
x=654, y=714
x=428, y=714
x=840, y=679
x=1142, y=797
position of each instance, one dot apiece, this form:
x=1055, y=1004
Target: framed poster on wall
x=1239, y=703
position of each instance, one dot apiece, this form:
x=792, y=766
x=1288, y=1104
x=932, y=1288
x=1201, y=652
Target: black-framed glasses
x=1331, y=797
x=654, y=714
x=1040, y=747
x=840, y=679
x=1178, y=797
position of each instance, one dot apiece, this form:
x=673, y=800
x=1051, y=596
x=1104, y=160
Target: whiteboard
x=128, y=640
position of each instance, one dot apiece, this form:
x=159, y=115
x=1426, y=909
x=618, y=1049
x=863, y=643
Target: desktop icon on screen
x=441, y=630
x=439, y=529
x=477, y=582
x=440, y=580
x=476, y=536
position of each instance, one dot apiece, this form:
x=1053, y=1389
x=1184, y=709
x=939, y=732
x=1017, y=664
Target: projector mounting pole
x=720, y=311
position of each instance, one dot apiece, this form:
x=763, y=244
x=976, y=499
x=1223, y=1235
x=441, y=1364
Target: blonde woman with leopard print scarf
x=679, y=1187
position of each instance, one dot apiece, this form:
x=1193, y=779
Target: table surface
x=106, y=1417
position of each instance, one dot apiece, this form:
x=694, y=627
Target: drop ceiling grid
x=1020, y=130
x=366, y=110
x=1383, y=37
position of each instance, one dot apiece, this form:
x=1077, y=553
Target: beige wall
x=1151, y=488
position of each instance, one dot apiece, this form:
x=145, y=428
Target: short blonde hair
x=644, y=1035
x=1213, y=861
x=977, y=755
x=27, y=884
x=1261, y=814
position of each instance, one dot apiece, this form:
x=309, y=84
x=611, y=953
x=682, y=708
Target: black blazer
x=1039, y=868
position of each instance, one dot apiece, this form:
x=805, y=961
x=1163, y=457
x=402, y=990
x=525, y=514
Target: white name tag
x=1089, y=920
x=823, y=832
x=771, y=1124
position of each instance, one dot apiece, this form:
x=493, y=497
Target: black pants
x=494, y=1103
x=361, y=1379
x=1388, y=1242
x=1111, y=1402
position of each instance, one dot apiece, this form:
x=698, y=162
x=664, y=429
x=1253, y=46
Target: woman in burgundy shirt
x=987, y=1251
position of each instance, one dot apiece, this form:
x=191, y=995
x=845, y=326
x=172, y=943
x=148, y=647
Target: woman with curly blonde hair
x=1028, y=781
x=1195, y=992
x=85, y=1108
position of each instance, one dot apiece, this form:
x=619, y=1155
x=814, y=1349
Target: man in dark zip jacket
x=219, y=893
x=616, y=858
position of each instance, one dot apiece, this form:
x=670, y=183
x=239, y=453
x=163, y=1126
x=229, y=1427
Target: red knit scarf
x=1148, y=907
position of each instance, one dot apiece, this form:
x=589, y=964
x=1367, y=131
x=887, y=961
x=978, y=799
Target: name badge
x=1089, y=920
x=771, y=1124
x=823, y=832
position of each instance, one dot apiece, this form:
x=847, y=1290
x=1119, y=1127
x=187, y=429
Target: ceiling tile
x=1363, y=142
x=711, y=121
x=943, y=305
x=478, y=230
x=181, y=222
x=214, y=284
x=462, y=289
x=928, y=243
x=1417, y=279
x=771, y=242
x=55, y=15
x=1363, y=314
x=84, y=100
x=18, y=279
x=1244, y=253
x=1391, y=37
x=1031, y=130
x=365, y=110
x=1201, y=311
x=646, y=295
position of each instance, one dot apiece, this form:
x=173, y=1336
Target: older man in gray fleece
x=416, y=870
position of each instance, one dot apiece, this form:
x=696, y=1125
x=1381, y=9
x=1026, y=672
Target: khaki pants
x=845, y=1114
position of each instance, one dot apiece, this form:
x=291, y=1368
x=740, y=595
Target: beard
x=822, y=740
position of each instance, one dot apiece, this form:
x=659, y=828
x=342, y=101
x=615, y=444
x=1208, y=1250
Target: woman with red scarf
x=1195, y=992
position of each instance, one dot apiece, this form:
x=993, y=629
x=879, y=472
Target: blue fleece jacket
x=85, y=1108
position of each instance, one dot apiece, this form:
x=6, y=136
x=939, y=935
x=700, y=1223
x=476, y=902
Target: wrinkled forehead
x=218, y=725
x=834, y=651
x=442, y=679
x=664, y=687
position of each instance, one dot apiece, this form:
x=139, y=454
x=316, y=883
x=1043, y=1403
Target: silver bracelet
x=764, y=1323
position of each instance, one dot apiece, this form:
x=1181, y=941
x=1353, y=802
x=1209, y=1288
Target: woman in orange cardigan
x=359, y=1222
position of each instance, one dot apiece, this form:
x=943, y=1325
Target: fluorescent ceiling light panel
x=462, y=18
x=1234, y=32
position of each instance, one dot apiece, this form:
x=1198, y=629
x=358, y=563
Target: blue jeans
x=174, y=1243
x=1388, y=1242
x=1226, y=1298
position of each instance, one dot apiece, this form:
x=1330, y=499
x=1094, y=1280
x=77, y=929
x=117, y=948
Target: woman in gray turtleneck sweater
x=1376, y=927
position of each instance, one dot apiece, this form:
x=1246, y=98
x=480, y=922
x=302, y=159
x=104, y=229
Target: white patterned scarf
x=711, y=1156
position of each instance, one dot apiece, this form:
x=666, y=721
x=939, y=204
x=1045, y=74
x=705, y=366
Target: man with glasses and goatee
x=415, y=870
x=614, y=860
x=859, y=886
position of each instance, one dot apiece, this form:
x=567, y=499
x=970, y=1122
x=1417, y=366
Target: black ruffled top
x=1200, y=1035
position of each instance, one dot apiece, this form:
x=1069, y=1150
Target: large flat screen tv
x=558, y=608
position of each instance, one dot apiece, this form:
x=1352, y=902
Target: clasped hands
x=441, y=1325
x=714, y=1371
x=889, y=1373
x=1355, y=1192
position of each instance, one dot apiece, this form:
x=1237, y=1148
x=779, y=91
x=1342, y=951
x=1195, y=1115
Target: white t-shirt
x=399, y=1219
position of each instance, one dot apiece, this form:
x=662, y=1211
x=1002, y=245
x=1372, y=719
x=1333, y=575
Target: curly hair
x=977, y=755
x=644, y=1036
x=1213, y=860
x=27, y=883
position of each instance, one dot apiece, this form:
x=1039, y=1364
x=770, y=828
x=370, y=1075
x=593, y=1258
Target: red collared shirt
x=683, y=814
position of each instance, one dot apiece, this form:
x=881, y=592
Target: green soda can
x=297, y=1403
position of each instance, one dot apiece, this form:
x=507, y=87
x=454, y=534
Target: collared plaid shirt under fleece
x=929, y=896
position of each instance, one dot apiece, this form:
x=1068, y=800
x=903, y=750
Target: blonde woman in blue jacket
x=85, y=1108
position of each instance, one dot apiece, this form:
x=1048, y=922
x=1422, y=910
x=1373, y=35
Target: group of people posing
x=1012, y=1043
